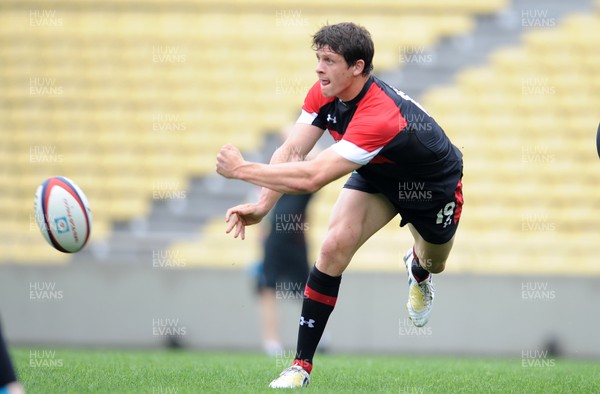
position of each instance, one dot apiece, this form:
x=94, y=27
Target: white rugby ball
x=63, y=214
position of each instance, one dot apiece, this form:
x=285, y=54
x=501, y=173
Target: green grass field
x=44, y=370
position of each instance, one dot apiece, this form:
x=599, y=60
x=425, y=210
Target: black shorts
x=434, y=208
x=285, y=265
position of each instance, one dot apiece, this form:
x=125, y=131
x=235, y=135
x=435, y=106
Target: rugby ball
x=63, y=214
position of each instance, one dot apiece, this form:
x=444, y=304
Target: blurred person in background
x=8, y=378
x=285, y=267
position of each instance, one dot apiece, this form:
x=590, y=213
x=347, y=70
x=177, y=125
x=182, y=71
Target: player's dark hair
x=350, y=40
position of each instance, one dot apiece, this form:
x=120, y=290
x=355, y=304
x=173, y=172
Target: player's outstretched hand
x=241, y=216
x=228, y=159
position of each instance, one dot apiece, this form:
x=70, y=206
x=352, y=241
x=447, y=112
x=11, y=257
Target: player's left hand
x=228, y=160
x=243, y=215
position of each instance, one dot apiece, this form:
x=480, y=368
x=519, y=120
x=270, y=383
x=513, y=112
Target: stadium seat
x=531, y=196
x=126, y=77
x=213, y=249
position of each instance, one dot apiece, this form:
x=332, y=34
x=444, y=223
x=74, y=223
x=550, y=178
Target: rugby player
x=399, y=159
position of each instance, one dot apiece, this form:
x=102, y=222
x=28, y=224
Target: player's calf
x=430, y=265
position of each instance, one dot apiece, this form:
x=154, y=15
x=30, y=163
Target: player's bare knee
x=331, y=252
x=334, y=255
x=331, y=265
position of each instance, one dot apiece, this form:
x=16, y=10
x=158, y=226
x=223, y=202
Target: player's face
x=334, y=74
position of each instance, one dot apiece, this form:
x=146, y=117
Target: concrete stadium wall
x=129, y=305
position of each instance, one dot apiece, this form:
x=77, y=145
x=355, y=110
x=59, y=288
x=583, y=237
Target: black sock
x=320, y=296
x=418, y=272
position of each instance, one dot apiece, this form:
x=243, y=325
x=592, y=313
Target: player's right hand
x=241, y=216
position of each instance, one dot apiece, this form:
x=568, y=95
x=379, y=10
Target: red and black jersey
x=392, y=136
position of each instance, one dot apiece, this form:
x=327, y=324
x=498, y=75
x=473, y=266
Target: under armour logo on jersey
x=331, y=119
x=309, y=322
